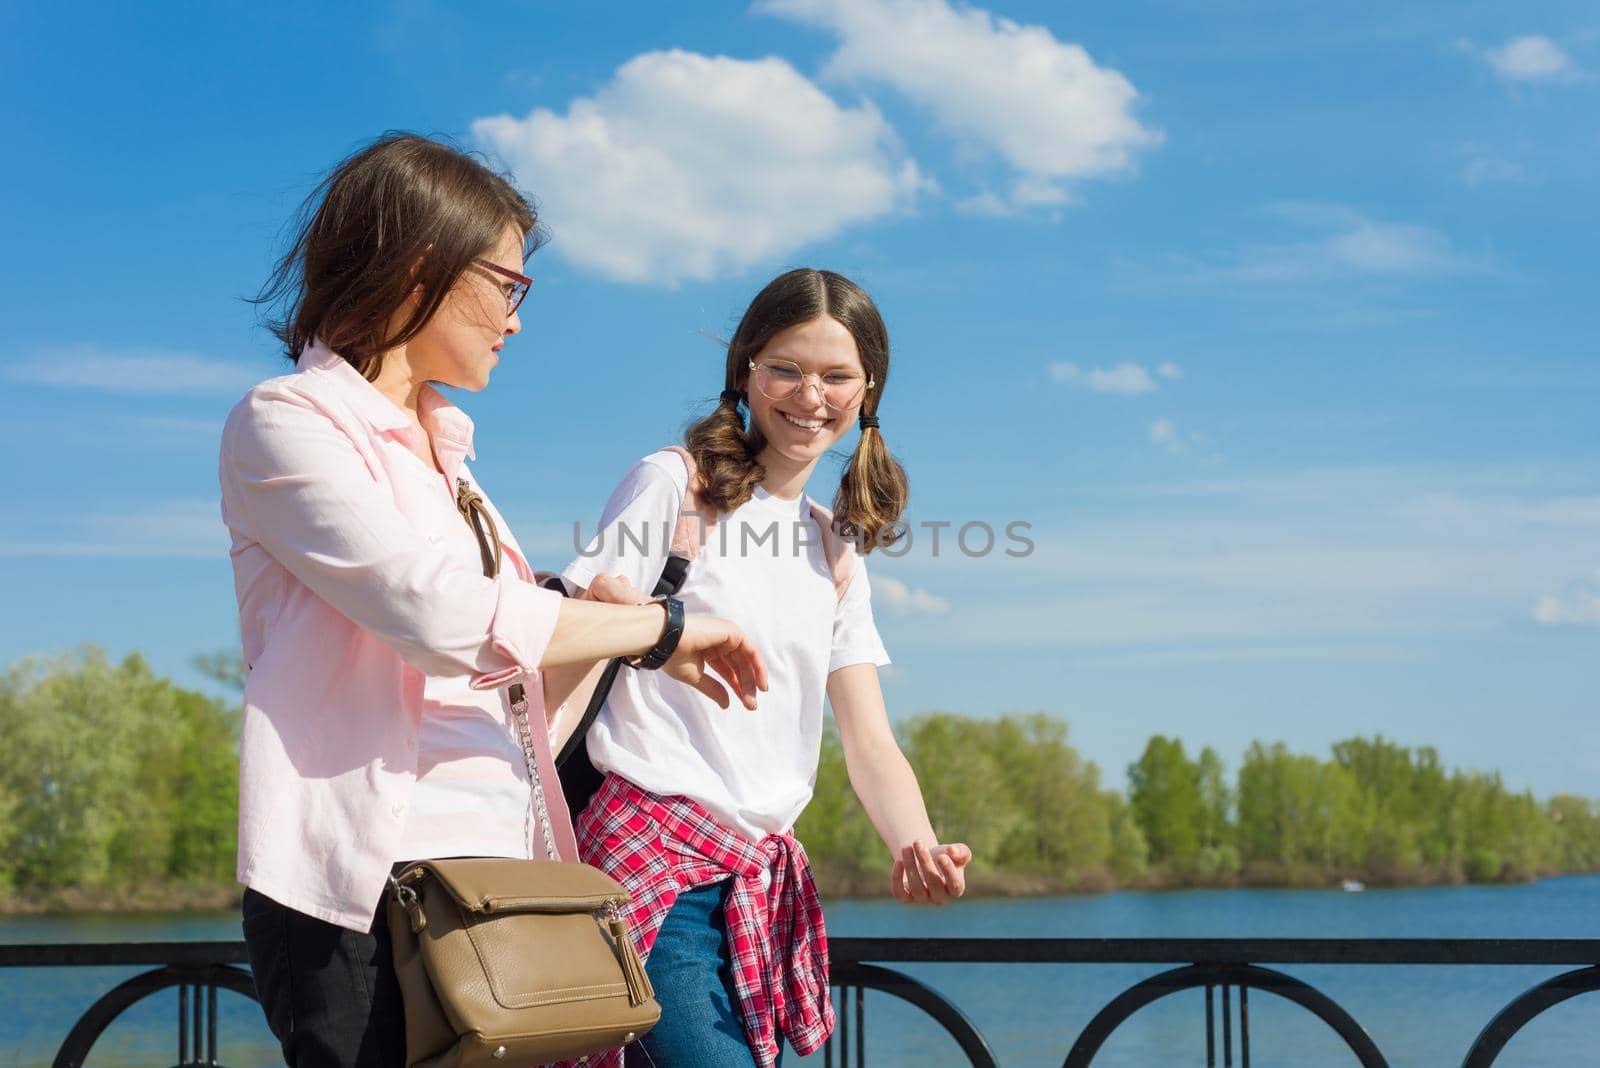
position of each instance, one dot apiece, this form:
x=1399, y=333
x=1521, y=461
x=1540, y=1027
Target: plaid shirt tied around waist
x=659, y=847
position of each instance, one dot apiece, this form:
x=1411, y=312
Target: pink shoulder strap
x=840, y=552
x=694, y=520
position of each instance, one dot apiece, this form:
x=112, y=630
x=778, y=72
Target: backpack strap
x=694, y=518
x=841, y=552
x=579, y=778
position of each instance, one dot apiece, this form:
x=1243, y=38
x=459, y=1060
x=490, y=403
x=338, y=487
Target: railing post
x=1211, y=1028
x=1227, y=1027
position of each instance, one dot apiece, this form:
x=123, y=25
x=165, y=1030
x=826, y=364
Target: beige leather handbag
x=513, y=962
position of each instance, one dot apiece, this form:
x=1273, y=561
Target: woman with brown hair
x=394, y=653
x=696, y=813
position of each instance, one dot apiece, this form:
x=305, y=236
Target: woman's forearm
x=587, y=631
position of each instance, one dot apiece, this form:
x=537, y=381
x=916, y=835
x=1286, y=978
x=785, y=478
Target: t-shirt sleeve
x=636, y=527
x=855, y=635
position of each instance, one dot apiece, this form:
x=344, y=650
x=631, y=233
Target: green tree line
x=118, y=787
x=1038, y=818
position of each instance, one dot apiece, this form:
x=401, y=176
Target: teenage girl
x=696, y=813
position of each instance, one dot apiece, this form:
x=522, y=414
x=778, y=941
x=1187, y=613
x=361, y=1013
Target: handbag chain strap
x=469, y=502
x=519, y=712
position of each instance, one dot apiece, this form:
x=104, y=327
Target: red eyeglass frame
x=523, y=281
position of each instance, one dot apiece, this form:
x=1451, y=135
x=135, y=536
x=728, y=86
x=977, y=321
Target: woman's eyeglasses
x=514, y=289
x=779, y=380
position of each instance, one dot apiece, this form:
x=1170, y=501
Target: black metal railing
x=1226, y=969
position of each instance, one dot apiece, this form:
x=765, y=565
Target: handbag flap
x=493, y=884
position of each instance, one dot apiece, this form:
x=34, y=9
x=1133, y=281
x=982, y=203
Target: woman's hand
x=924, y=876
x=720, y=646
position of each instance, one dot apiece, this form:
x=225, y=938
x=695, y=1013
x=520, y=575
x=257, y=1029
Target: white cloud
x=906, y=600
x=179, y=528
x=173, y=426
x=1302, y=559
x=139, y=370
x=1577, y=606
x=1485, y=168
x=1170, y=371
x=687, y=166
x=1346, y=243
x=1123, y=378
x=1165, y=434
x=1127, y=379
x=1390, y=248
x=1042, y=105
x=986, y=203
x=1531, y=58
x=1025, y=195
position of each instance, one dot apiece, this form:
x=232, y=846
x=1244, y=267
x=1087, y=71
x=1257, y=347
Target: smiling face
x=461, y=343
x=803, y=426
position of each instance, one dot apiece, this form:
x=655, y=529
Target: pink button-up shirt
x=348, y=602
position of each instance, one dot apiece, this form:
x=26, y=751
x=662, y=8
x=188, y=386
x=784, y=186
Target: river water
x=1420, y=1016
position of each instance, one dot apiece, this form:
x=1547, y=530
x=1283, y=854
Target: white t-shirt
x=763, y=567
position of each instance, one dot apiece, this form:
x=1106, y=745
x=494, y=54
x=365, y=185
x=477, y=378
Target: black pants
x=329, y=993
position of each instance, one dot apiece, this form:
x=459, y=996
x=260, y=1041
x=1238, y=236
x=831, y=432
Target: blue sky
x=1268, y=317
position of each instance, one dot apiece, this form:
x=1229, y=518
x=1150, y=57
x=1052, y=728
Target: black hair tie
x=732, y=397
x=869, y=422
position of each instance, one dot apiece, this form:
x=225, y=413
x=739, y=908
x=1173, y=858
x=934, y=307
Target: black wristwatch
x=668, y=642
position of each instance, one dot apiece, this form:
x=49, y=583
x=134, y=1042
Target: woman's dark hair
x=403, y=213
x=873, y=491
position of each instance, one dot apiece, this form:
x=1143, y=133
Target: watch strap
x=667, y=644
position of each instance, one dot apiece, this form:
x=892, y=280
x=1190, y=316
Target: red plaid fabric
x=659, y=847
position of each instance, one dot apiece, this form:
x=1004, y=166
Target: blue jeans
x=692, y=971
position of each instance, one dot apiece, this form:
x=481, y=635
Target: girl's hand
x=720, y=646
x=613, y=589
x=924, y=876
